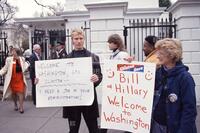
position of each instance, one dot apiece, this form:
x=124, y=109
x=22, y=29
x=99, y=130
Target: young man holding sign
x=90, y=113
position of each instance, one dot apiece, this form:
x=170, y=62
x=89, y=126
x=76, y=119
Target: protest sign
x=127, y=95
x=64, y=82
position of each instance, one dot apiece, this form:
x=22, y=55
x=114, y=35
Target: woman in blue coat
x=174, y=108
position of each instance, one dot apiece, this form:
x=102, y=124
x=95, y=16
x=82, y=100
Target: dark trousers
x=157, y=128
x=33, y=92
x=74, y=124
x=105, y=131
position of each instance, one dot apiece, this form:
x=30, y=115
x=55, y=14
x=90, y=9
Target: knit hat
x=151, y=40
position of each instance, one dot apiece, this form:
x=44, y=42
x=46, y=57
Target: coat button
x=168, y=117
x=165, y=87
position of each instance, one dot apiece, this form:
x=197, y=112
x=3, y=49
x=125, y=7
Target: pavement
x=41, y=120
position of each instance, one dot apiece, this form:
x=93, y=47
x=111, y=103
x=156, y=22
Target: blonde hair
x=172, y=46
x=76, y=31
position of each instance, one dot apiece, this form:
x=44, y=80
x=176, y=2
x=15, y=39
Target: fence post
x=3, y=52
x=125, y=36
x=170, y=28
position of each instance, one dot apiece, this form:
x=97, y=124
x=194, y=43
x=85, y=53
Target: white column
x=187, y=13
x=105, y=19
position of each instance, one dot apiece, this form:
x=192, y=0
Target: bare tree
x=6, y=12
x=52, y=9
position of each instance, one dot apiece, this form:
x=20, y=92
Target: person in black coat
x=34, y=57
x=90, y=113
x=60, y=51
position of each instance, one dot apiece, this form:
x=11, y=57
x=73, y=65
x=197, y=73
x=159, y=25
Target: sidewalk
x=39, y=120
x=43, y=120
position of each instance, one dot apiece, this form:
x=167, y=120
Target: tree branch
x=7, y=12
x=52, y=9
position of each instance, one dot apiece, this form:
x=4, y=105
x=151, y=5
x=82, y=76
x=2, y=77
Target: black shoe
x=16, y=108
x=21, y=111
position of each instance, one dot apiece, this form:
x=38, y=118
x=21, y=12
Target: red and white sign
x=127, y=95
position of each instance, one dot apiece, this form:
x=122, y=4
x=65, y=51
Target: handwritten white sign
x=127, y=95
x=64, y=82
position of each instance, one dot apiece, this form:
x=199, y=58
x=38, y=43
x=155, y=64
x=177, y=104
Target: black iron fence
x=138, y=29
x=3, y=52
x=49, y=39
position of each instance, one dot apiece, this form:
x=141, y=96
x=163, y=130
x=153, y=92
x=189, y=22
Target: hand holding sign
x=94, y=78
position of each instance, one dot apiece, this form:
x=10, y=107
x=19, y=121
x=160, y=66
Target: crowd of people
x=174, y=103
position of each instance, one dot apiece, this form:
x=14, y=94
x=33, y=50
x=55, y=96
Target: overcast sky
x=27, y=8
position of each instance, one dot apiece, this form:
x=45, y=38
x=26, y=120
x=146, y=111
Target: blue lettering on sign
x=139, y=68
x=130, y=67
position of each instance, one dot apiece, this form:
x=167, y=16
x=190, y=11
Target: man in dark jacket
x=36, y=55
x=90, y=113
x=60, y=51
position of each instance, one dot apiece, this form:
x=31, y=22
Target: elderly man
x=36, y=55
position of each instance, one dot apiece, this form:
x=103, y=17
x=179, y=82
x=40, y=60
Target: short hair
x=36, y=46
x=151, y=40
x=117, y=40
x=76, y=31
x=172, y=46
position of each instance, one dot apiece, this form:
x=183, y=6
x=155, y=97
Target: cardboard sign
x=64, y=82
x=127, y=95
